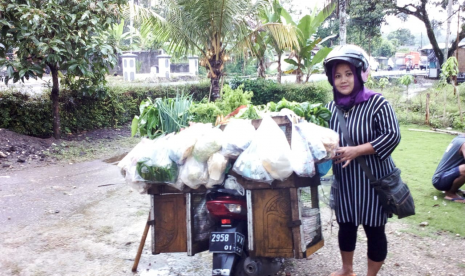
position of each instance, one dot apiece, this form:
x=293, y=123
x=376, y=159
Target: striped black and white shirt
x=373, y=121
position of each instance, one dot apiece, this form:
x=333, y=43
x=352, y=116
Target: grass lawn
x=418, y=155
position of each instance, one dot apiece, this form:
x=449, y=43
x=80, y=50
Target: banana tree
x=212, y=28
x=302, y=57
x=274, y=13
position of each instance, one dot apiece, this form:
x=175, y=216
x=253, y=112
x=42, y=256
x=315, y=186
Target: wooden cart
x=283, y=218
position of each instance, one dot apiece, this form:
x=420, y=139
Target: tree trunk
x=449, y=20
x=432, y=39
x=456, y=91
x=261, y=68
x=342, y=22
x=427, y=109
x=278, y=78
x=215, y=76
x=55, y=102
x=445, y=104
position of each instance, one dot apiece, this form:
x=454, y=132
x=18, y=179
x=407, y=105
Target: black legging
x=377, y=242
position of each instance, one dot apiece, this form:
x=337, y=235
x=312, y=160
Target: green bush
x=265, y=91
x=32, y=115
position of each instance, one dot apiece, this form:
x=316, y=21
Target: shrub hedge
x=265, y=91
x=32, y=115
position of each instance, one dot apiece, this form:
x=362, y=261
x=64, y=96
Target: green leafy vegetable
x=162, y=116
x=148, y=172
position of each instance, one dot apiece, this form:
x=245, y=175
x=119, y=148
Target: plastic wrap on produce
x=274, y=150
x=207, y=144
x=302, y=158
x=157, y=167
x=310, y=133
x=194, y=173
x=216, y=168
x=238, y=135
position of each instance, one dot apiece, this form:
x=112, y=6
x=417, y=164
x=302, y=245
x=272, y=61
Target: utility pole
x=342, y=22
x=131, y=23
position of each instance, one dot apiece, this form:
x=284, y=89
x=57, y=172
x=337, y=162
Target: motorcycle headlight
x=234, y=208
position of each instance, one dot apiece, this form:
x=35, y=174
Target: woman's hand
x=346, y=154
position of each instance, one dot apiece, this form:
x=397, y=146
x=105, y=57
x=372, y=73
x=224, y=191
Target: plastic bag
x=237, y=137
x=274, y=150
x=330, y=140
x=310, y=132
x=208, y=144
x=216, y=167
x=181, y=146
x=194, y=173
x=302, y=158
x=131, y=158
x=249, y=165
x=232, y=184
x=158, y=167
x=323, y=168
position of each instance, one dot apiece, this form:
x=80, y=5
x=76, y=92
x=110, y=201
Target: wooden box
x=179, y=220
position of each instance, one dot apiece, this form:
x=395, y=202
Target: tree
x=63, y=36
x=403, y=36
x=365, y=22
x=419, y=10
x=450, y=70
x=383, y=48
x=212, y=28
x=307, y=27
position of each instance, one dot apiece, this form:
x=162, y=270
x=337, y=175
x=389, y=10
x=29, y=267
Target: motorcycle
x=228, y=209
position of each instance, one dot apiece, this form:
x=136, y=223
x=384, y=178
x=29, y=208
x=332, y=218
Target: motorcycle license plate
x=221, y=242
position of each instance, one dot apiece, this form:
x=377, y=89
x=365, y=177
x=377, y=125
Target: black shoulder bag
x=393, y=193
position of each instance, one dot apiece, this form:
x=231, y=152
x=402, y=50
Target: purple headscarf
x=359, y=95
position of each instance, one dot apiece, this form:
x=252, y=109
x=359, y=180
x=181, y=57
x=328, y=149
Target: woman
x=374, y=130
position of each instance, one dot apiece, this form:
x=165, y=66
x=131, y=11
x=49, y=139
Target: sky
x=393, y=23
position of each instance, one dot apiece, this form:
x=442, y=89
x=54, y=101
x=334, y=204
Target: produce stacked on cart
x=203, y=154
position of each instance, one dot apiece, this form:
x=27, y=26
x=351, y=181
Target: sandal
x=456, y=199
x=334, y=274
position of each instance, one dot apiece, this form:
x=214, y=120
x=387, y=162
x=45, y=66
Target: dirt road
x=60, y=220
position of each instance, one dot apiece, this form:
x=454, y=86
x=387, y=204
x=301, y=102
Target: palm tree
x=213, y=28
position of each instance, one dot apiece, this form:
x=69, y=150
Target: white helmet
x=351, y=54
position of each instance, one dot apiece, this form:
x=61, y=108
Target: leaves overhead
x=61, y=35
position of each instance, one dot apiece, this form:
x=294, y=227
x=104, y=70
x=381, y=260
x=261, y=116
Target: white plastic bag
x=181, y=146
x=302, y=158
x=274, y=149
x=137, y=152
x=249, y=165
x=330, y=140
x=232, y=184
x=310, y=134
x=322, y=141
x=208, y=144
x=216, y=166
x=194, y=173
x=238, y=135
x=158, y=167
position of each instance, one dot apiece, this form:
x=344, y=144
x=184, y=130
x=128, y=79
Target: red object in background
x=235, y=112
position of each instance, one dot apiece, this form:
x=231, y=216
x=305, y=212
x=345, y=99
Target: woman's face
x=344, y=79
